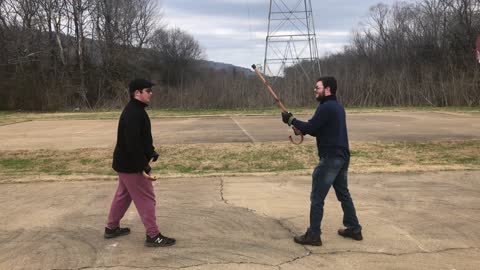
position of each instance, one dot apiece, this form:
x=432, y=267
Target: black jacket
x=329, y=126
x=134, y=146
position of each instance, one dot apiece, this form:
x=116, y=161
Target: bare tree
x=79, y=10
x=177, y=51
x=143, y=24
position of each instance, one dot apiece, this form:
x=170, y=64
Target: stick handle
x=280, y=104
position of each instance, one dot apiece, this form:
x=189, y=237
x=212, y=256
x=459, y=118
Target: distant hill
x=226, y=67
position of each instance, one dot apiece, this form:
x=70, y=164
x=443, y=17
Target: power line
x=291, y=38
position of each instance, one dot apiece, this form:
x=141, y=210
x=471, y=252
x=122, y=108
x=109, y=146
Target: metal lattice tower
x=291, y=38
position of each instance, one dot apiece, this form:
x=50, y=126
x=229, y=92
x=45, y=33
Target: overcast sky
x=234, y=31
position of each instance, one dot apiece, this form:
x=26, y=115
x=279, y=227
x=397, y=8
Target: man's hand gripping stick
x=280, y=104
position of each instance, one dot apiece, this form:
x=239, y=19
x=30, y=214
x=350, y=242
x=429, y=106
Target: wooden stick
x=279, y=102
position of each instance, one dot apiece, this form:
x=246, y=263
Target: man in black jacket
x=328, y=125
x=133, y=152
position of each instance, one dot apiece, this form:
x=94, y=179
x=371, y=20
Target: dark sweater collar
x=327, y=98
x=138, y=102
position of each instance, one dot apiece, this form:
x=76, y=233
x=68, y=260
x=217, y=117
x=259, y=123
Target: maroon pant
x=134, y=186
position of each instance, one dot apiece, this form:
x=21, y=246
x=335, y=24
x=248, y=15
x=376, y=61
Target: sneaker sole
x=109, y=236
x=156, y=245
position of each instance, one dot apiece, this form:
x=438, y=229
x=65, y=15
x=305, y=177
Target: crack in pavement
x=221, y=191
x=282, y=225
x=295, y=259
x=394, y=254
x=308, y=251
x=229, y=263
x=278, y=266
x=114, y=266
x=166, y=267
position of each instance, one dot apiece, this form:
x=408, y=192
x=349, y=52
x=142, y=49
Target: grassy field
x=235, y=158
x=242, y=158
x=16, y=117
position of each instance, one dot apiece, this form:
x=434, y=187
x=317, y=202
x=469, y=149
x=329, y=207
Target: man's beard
x=320, y=98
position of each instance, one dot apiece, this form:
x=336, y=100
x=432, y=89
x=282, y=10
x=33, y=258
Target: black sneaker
x=112, y=233
x=351, y=234
x=308, y=239
x=159, y=241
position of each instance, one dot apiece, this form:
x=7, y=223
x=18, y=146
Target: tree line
x=61, y=54
x=58, y=54
x=411, y=54
x=405, y=54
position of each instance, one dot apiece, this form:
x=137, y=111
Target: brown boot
x=308, y=239
x=351, y=234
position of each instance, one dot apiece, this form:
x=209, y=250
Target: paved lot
x=72, y=134
x=411, y=221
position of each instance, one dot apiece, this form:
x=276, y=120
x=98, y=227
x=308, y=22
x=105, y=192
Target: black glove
x=287, y=118
x=147, y=169
x=154, y=156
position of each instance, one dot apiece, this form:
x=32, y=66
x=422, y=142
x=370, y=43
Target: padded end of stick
x=254, y=67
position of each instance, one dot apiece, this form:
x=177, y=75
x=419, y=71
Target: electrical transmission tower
x=291, y=39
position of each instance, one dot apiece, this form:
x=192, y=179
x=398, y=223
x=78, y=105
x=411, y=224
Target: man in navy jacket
x=328, y=125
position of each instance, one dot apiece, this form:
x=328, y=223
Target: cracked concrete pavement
x=411, y=221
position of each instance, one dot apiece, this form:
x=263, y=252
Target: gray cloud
x=234, y=31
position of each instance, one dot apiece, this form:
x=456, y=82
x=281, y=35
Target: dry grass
x=17, y=117
x=242, y=158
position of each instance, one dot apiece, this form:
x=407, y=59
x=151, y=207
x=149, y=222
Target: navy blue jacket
x=134, y=139
x=329, y=126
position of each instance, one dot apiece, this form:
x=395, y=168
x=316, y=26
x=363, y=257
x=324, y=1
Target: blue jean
x=331, y=171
